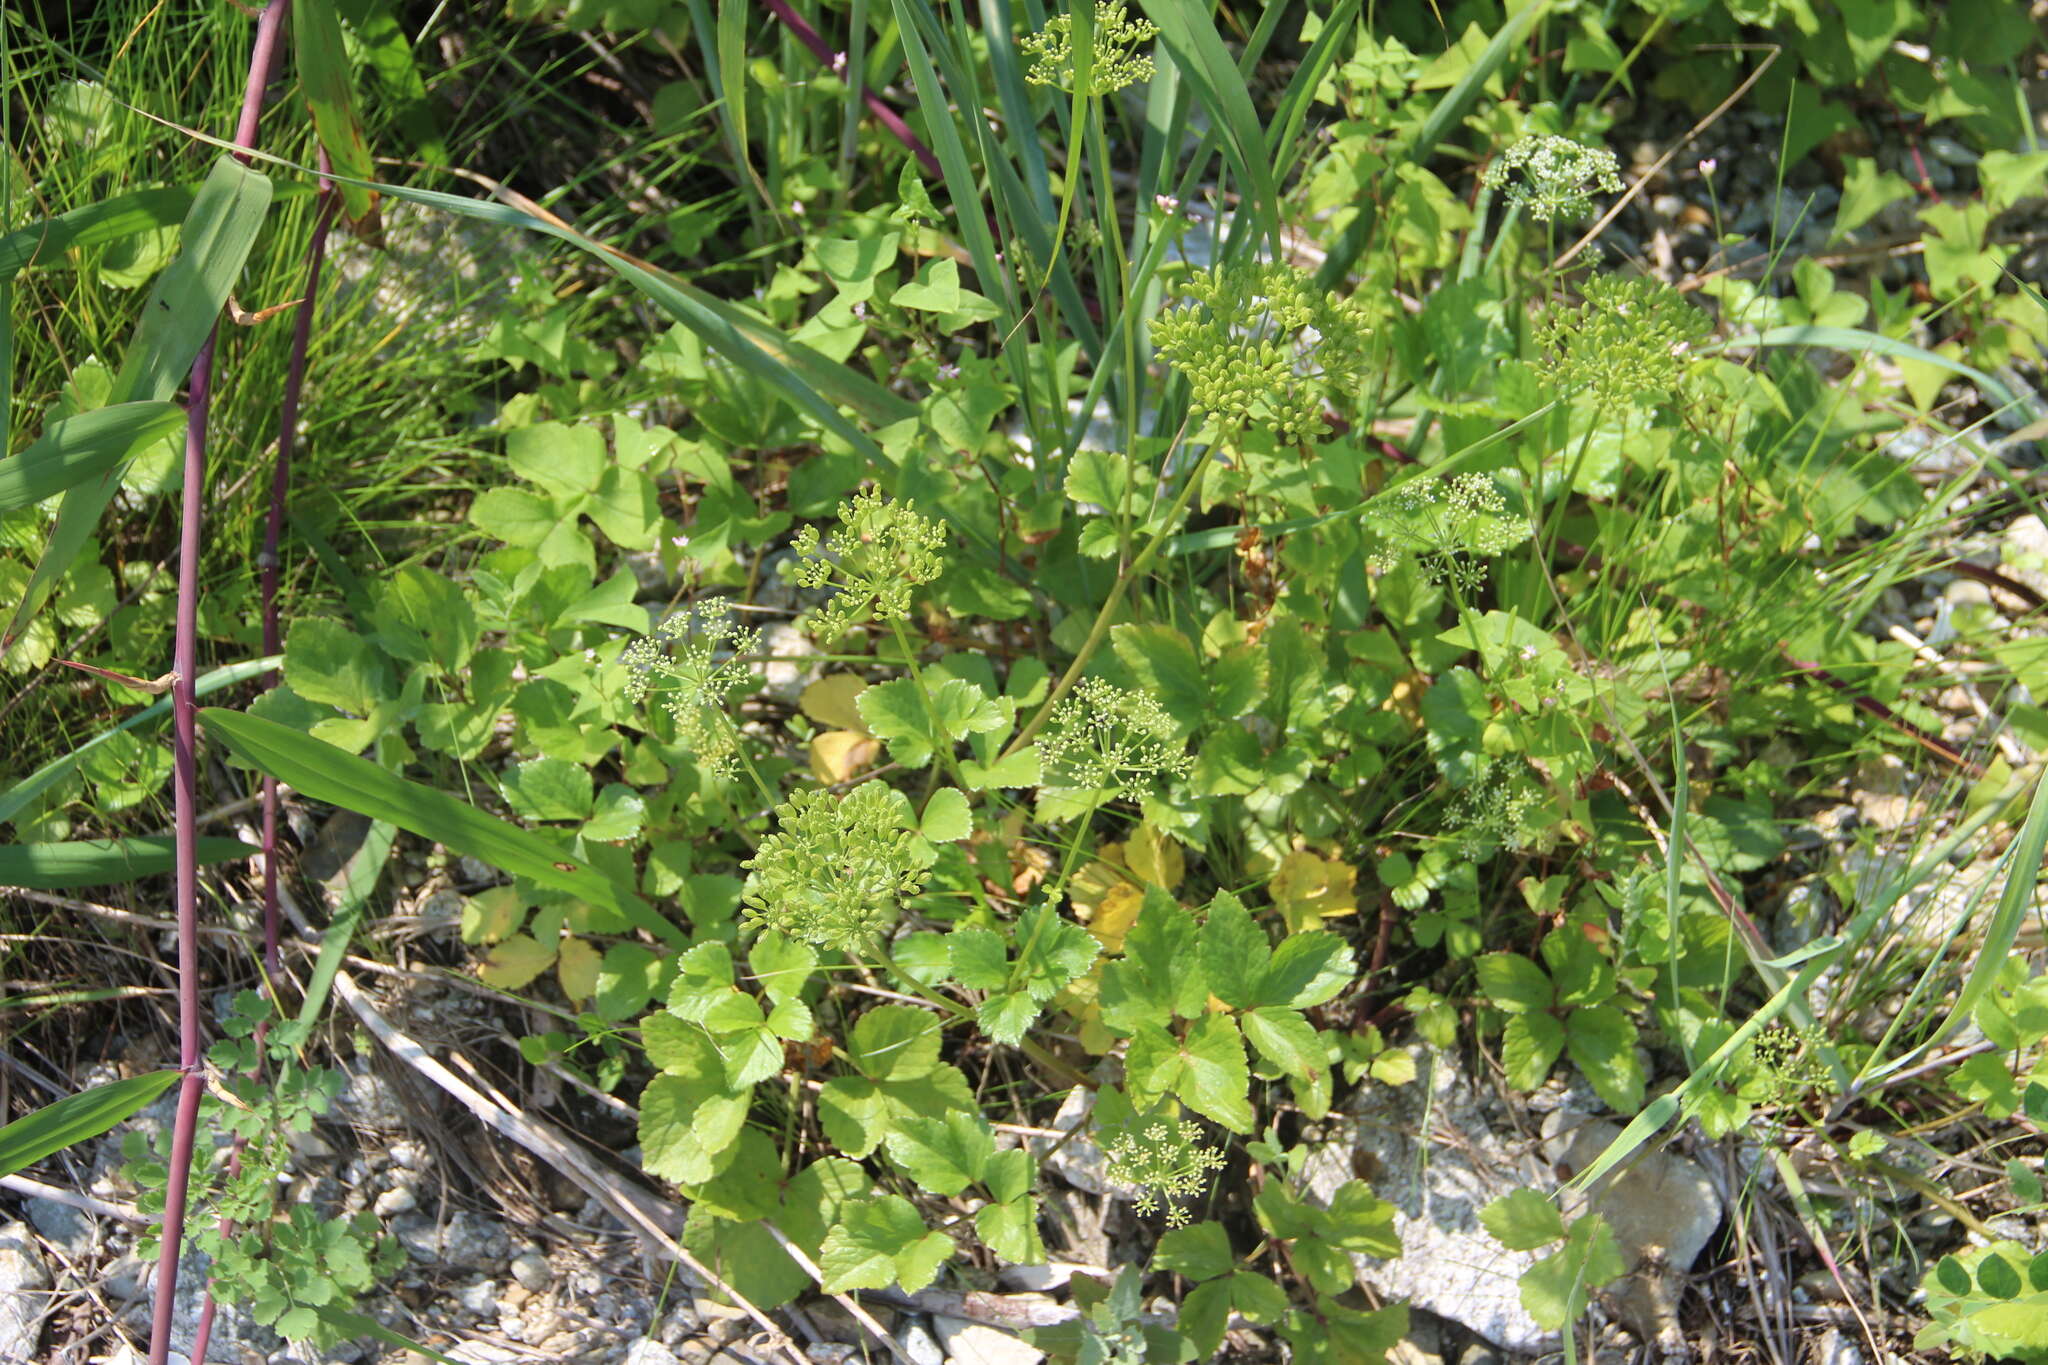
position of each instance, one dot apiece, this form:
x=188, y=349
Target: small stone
x=67, y=1229
x=782, y=677
x=24, y=1292
x=831, y=1352
x=975, y=1343
x=919, y=1345
x=532, y=1270
x=648, y=1351
x=394, y=1201
x=480, y=1297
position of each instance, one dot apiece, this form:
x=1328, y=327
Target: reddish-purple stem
x=831, y=61
x=185, y=761
x=267, y=564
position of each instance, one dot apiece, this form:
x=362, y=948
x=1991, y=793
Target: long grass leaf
x=75, y=1118
x=183, y=306
x=17, y=797
x=109, y=220
x=1856, y=341
x=324, y=773
x=323, y=65
x=103, y=862
x=1191, y=38
x=74, y=449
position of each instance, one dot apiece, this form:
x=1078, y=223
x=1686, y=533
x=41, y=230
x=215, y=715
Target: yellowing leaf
x=1309, y=889
x=576, y=967
x=1155, y=857
x=490, y=915
x=837, y=755
x=516, y=961
x=829, y=701
x=1114, y=915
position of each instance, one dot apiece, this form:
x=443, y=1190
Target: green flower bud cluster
x=1118, y=62
x=1628, y=341
x=1449, y=526
x=1558, y=177
x=835, y=869
x=1166, y=1162
x=1791, y=1062
x=1262, y=345
x=1491, y=811
x=881, y=551
x=695, y=660
x=1106, y=738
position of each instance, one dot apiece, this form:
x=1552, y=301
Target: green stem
x=1100, y=630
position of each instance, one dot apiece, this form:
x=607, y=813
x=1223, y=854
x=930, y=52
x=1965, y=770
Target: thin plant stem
x=888, y=117
x=185, y=760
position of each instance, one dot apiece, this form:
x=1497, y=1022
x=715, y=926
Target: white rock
x=975, y=1343
x=919, y=1345
x=1662, y=1209
x=1078, y=1161
x=394, y=1201
x=480, y=1298
x=1450, y=1265
x=532, y=1270
x=783, y=678
x=24, y=1292
x=648, y=1351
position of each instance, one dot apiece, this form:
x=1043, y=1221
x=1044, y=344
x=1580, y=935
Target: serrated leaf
x=1165, y=664
x=1010, y=1230
x=1529, y=1048
x=946, y=816
x=879, y=1242
x=1287, y=1040
x=515, y=962
x=895, y=1043
x=1522, y=1220
x=1160, y=974
x=1358, y=1220
x=1007, y=1016
x=1602, y=1042
x=1053, y=951
x=1513, y=983
x=1235, y=952
x=1200, y=1252
x=1306, y=970
x=1554, y=1290
x=1217, y=1083
x=895, y=713
x=549, y=789
x=943, y=1155
x=780, y=965
x=978, y=959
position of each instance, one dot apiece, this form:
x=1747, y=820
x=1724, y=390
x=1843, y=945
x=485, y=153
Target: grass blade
x=75, y=1118
x=17, y=797
x=1857, y=341
x=124, y=215
x=324, y=773
x=1191, y=38
x=219, y=231
x=102, y=862
x=322, y=61
x=75, y=449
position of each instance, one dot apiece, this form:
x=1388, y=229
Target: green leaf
x=1164, y=663
x=946, y=816
x=879, y=1242
x=514, y=516
x=424, y=618
x=895, y=1043
x=1217, y=1082
x=325, y=661
x=183, y=306
x=1360, y=1221
x=48, y=240
x=943, y=1155
x=104, y=862
x=1007, y=1016
x=515, y=961
x=689, y=1115
x=1160, y=973
x=935, y=290
x=1523, y=1220
x=75, y=1118
x=1529, y=1048
x=1054, y=952
x=74, y=449
x=1287, y=1040
x=321, y=772
x=1010, y=1230
x=1200, y=1252
x=1602, y=1042
x=1513, y=983
x=1308, y=969
x=1554, y=1290
x=321, y=59
x=549, y=789
x=896, y=714
x=1235, y=952
x=978, y=959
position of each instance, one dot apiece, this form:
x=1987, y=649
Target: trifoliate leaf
x=1052, y=952
x=879, y=1242
x=1160, y=974
x=1010, y=1230
x=895, y=713
x=1007, y=1016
